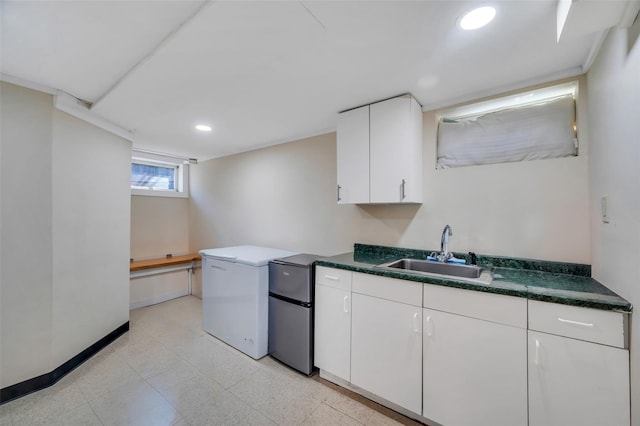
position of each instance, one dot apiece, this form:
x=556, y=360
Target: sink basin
x=426, y=267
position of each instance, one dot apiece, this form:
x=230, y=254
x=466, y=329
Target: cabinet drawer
x=402, y=291
x=337, y=278
x=509, y=310
x=593, y=325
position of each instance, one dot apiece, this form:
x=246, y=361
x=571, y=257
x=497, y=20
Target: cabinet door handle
x=416, y=323
x=584, y=324
x=345, y=306
x=429, y=326
x=339, y=188
x=536, y=359
x=332, y=277
x=404, y=184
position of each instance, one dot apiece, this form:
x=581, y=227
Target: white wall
x=282, y=196
x=157, y=288
x=614, y=118
x=91, y=216
x=159, y=225
x=65, y=235
x=25, y=234
x=285, y=196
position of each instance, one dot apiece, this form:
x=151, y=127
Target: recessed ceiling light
x=203, y=128
x=428, y=81
x=477, y=18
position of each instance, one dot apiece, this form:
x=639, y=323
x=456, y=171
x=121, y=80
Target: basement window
x=154, y=176
x=158, y=175
x=533, y=125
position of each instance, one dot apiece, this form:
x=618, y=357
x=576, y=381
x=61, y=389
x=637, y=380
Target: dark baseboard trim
x=44, y=381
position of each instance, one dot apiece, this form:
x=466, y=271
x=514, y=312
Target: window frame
x=180, y=166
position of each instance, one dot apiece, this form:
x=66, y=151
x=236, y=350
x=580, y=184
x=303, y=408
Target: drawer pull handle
x=416, y=323
x=584, y=324
x=332, y=278
x=345, y=306
x=537, y=357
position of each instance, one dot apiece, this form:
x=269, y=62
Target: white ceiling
x=266, y=72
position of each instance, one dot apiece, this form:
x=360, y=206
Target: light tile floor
x=167, y=371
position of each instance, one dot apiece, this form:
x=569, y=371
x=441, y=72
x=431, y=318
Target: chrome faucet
x=444, y=245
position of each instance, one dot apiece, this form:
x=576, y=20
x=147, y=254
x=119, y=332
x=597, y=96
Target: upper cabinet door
x=379, y=148
x=396, y=151
x=353, y=156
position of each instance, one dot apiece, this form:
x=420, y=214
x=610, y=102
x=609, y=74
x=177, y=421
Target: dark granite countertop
x=565, y=283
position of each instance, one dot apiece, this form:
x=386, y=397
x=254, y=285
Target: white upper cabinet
x=395, y=143
x=379, y=149
x=353, y=156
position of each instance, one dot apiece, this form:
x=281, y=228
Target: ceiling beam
x=153, y=51
x=28, y=84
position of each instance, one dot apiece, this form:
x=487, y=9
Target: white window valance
x=530, y=132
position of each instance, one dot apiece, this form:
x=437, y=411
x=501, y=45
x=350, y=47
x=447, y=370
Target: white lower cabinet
x=578, y=366
x=457, y=357
x=386, y=350
x=474, y=372
x=573, y=382
x=332, y=347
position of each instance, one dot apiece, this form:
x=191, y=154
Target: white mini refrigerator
x=235, y=296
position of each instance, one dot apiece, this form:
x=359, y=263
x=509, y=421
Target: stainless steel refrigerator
x=291, y=294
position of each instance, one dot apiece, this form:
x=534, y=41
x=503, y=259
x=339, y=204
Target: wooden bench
x=139, y=265
x=151, y=282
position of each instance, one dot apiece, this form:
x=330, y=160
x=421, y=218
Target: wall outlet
x=605, y=208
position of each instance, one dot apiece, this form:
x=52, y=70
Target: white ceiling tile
x=83, y=47
x=266, y=72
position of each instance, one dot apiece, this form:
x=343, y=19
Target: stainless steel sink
x=472, y=273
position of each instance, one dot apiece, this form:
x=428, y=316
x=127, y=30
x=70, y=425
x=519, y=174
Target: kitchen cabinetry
x=473, y=366
x=571, y=381
x=395, y=143
x=379, y=153
x=353, y=156
x=332, y=348
x=386, y=339
x=461, y=357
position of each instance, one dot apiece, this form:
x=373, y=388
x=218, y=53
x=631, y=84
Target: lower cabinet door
x=332, y=348
x=573, y=382
x=386, y=350
x=474, y=372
